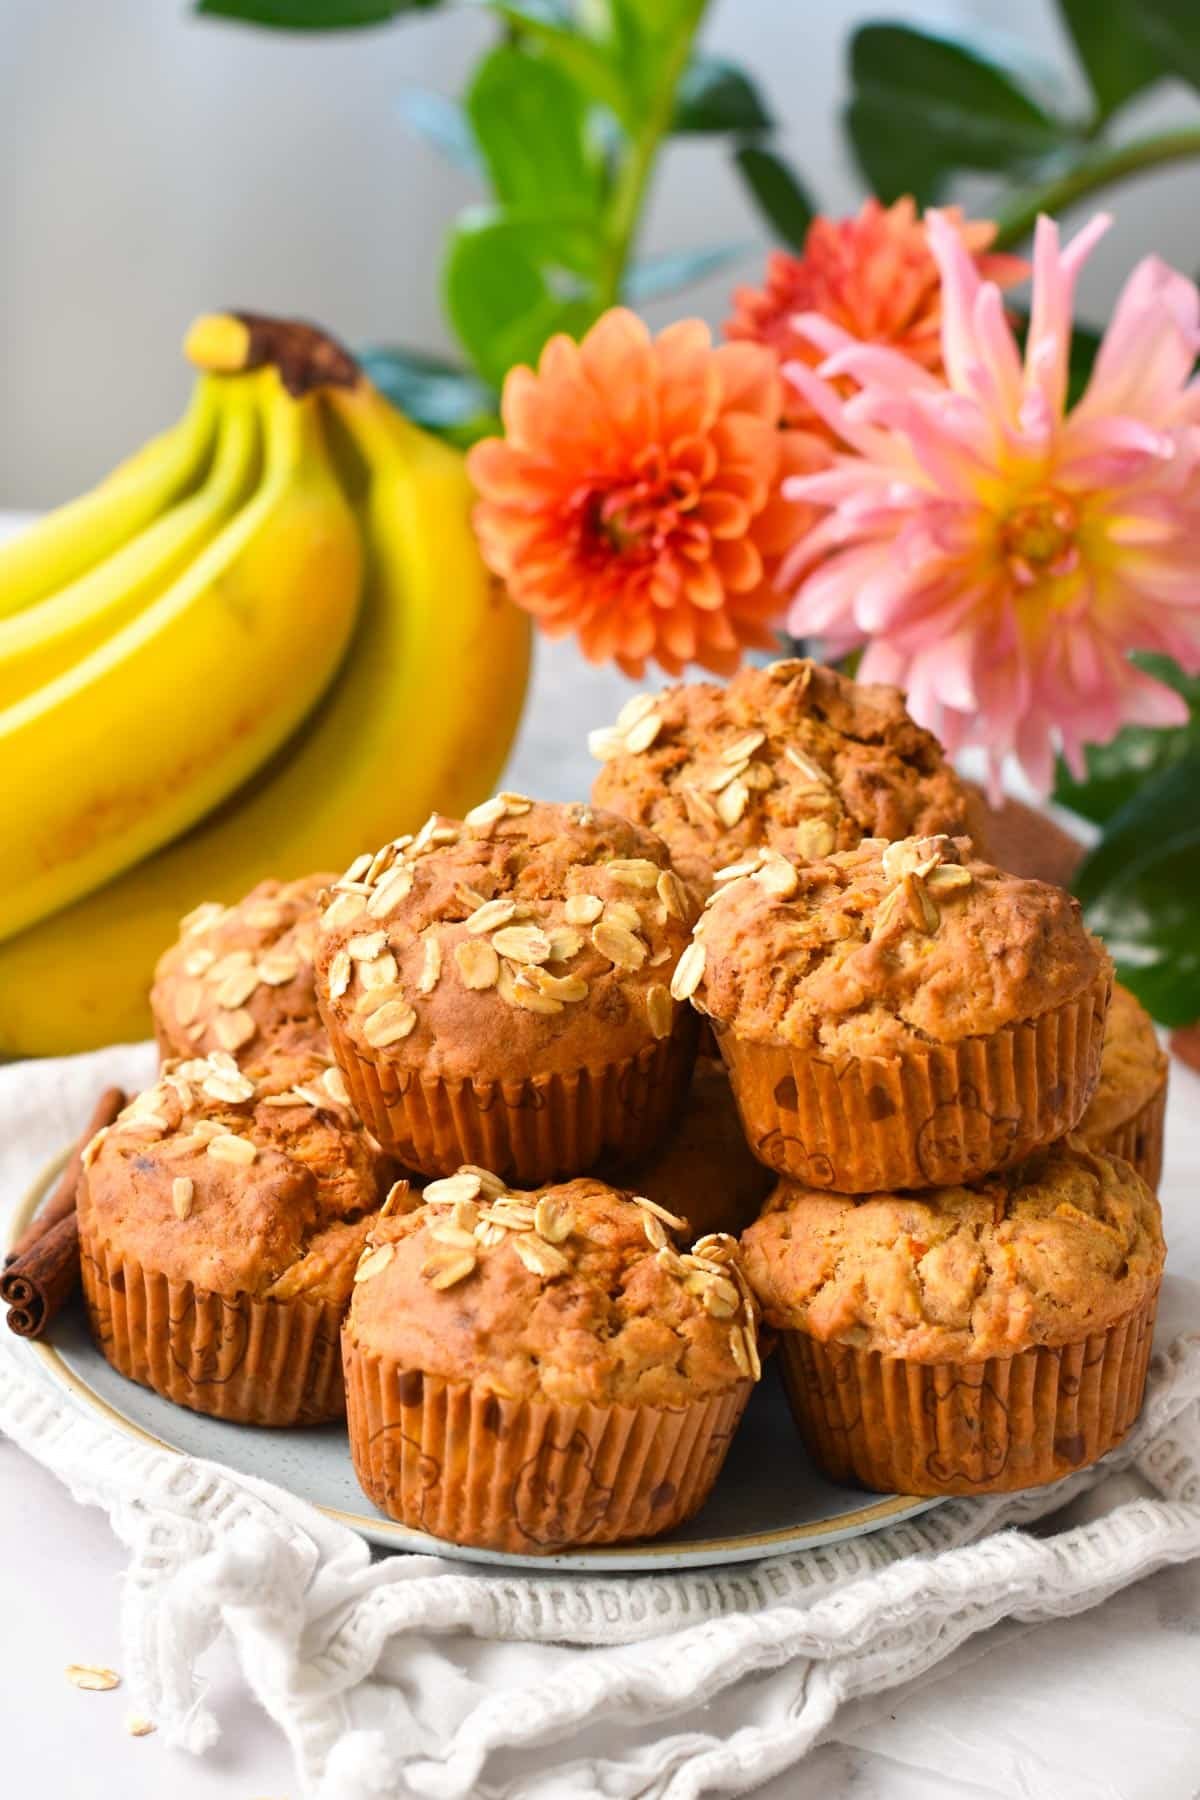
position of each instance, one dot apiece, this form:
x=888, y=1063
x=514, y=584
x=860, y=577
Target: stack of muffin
x=451, y=1101
x=964, y=1293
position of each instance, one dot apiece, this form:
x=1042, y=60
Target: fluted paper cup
x=928, y=1117
x=451, y=1459
x=257, y=1362
x=968, y=1428
x=1140, y=1139
x=531, y=1129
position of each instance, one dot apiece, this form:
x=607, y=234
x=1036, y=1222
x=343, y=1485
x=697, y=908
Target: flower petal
x=1149, y=350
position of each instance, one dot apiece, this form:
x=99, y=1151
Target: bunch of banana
x=265, y=643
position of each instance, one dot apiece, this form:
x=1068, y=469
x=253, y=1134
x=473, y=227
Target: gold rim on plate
x=376, y=1526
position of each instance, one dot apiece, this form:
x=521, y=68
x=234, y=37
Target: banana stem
x=305, y=356
x=219, y=343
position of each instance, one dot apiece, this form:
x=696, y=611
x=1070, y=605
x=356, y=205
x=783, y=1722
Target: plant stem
x=629, y=193
x=1096, y=171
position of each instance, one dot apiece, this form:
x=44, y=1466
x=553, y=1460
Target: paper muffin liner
x=968, y=1428
x=257, y=1362
x=927, y=1117
x=1140, y=1139
x=531, y=1129
x=449, y=1458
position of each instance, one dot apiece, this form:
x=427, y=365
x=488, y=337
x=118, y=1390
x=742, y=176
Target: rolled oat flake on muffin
x=904, y=1015
x=220, y=1222
x=240, y=978
x=512, y=1006
x=793, y=757
x=527, y=1370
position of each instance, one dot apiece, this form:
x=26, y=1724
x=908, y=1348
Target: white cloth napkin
x=412, y=1676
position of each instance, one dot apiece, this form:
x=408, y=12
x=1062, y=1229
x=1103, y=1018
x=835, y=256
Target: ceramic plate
x=769, y=1499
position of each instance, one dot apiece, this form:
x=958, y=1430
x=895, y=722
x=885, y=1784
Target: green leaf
x=954, y=75
x=442, y=123
x=894, y=162
x=1111, y=44
x=509, y=285
x=926, y=103
x=1172, y=29
x=313, y=15
x=1119, y=770
x=644, y=42
x=1140, y=889
x=715, y=95
x=781, y=199
x=656, y=18
x=435, y=393
x=529, y=120
x=629, y=45
x=653, y=276
x=580, y=57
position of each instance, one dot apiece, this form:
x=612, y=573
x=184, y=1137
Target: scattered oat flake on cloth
x=92, y=1677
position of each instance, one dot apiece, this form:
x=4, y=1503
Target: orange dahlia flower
x=875, y=276
x=635, y=497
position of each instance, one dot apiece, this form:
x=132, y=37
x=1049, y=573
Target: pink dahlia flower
x=999, y=554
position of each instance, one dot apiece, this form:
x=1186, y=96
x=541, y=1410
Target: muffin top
x=1133, y=1066
x=525, y=936
x=704, y=1171
x=242, y=1186
x=793, y=756
x=877, y=950
x=240, y=978
x=1048, y=1252
x=572, y=1293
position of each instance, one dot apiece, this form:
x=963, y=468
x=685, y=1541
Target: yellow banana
x=75, y=537
x=170, y=715
x=44, y=639
x=451, y=651
x=421, y=715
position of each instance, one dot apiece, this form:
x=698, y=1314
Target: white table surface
x=1083, y=1687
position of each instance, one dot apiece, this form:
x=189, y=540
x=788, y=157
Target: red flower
x=874, y=275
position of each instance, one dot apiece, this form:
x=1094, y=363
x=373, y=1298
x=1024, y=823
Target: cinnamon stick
x=42, y=1268
x=36, y=1286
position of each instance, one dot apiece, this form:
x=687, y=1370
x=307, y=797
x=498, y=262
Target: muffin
x=795, y=757
x=969, y=1340
x=240, y=977
x=1127, y=1110
x=496, y=990
x=527, y=1371
x=705, y=1170
x=900, y=1015
x=220, y=1222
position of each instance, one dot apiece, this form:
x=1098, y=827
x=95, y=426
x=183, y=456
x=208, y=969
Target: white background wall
x=153, y=165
